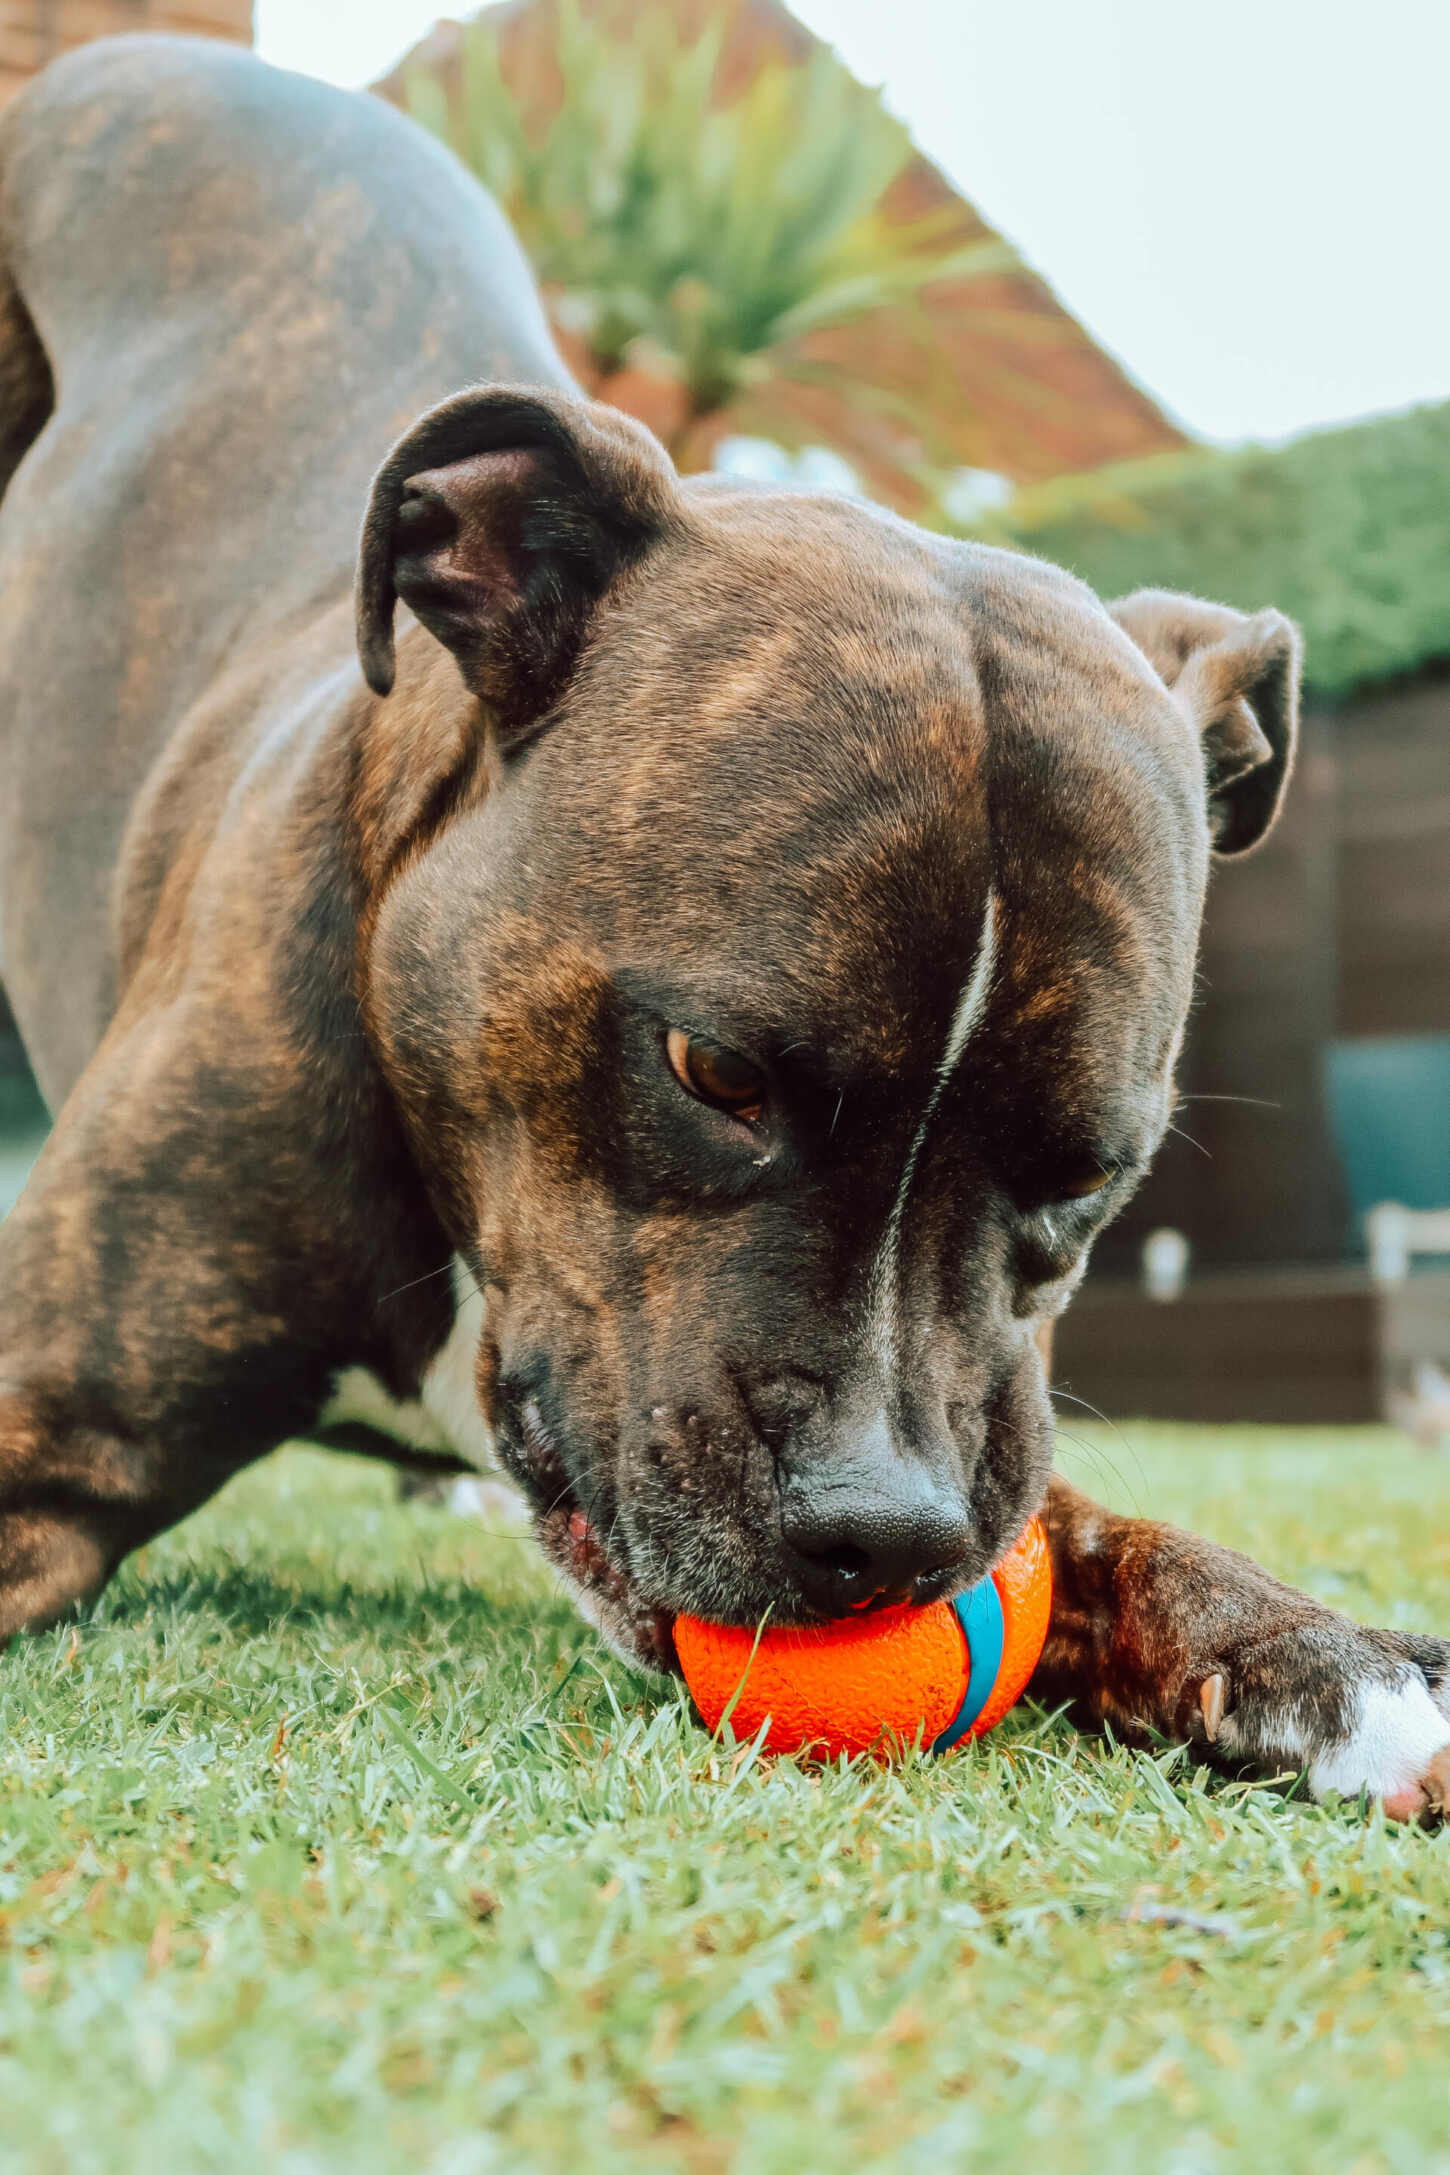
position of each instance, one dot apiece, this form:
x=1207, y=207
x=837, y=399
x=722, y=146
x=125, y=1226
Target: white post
x=1165, y=1264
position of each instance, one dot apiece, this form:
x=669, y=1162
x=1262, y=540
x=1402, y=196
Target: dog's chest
x=445, y=1415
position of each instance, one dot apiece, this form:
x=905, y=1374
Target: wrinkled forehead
x=1095, y=780
x=810, y=749
x=777, y=745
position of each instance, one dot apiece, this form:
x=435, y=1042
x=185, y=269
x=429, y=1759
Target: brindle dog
x=682, y=1014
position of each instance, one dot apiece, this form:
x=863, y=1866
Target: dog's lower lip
x=636, y=1626
x=573, y=1541
x=585, y=1546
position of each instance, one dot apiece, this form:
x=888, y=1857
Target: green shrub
x=1348, y=531
x=699, y=235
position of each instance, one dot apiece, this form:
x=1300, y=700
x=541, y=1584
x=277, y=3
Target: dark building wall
x=1394, y=861
x=1338, y=928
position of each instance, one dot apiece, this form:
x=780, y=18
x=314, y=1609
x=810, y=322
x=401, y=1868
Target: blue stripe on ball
x=980, y=1615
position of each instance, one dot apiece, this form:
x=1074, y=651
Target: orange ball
x=874, y=1683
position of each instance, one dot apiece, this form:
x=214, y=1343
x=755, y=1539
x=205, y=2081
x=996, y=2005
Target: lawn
x=332, y=1841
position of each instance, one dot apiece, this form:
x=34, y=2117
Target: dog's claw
x=1210, y=1700
x=1437, y=1784
x=1435, y=1791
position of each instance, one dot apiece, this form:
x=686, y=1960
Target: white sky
x=1246, y=200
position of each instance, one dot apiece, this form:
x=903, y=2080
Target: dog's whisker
x=1097, y=1458
x=429, y=1276
x=1198, y=1144
x=1258, y=1102
x=1096, y=1412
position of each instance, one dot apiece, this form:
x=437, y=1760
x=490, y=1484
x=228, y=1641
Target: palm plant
x=704, y=240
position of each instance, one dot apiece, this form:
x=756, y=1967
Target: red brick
x=34, y=31
x=21, y=49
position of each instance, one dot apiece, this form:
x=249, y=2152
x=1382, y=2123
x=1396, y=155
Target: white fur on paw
x=1395, y=1733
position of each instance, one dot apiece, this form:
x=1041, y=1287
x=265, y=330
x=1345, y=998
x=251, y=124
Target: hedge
x=1348, y=531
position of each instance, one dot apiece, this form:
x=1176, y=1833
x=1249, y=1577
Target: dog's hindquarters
x=246, y=283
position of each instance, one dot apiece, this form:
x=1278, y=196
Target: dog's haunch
x=879, y=1683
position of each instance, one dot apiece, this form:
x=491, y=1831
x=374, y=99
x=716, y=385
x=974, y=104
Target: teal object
x=979, y=1612
x=1389, y=1104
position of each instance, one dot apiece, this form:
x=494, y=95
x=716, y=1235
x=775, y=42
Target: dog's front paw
x=1356, y=1710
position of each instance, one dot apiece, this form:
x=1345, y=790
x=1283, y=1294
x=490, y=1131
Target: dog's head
x=780, y=947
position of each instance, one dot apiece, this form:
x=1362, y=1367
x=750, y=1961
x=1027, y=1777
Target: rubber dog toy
x=875, y=1683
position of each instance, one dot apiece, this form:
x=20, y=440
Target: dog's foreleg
x=71, y=1505
x=146, y=1353
x=1156, y=1632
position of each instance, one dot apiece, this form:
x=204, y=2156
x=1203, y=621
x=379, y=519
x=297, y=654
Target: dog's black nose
x=852, y=1542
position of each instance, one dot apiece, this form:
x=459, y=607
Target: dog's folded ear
x=1237, y=676
x=501, y=517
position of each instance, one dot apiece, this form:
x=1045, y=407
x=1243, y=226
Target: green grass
x=332, y=1841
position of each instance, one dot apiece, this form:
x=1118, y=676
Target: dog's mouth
x=581, y=1533
x=604, y=1592
x=578, y=1545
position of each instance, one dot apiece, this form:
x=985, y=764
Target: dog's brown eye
x=716, y=1075
x=1086, y=1182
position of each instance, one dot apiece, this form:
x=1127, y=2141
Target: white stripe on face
x=886, y=1270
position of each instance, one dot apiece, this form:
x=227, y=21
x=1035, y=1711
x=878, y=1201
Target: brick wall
x=34, y=31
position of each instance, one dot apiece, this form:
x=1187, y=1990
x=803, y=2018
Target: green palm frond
x=709, y=235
